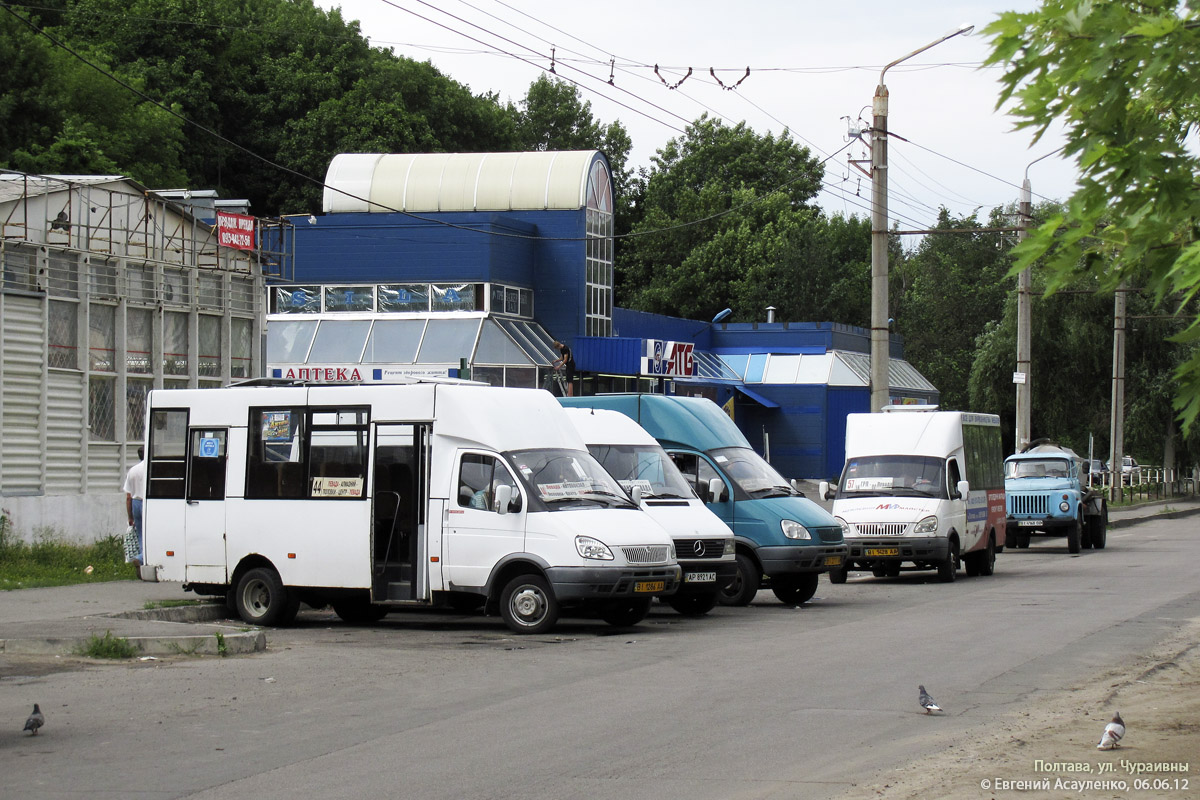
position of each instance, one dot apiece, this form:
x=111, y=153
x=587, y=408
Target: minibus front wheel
x=262, y=599
x=624, y=613
x=793, y=590
x=745, y=586
x=527, y=605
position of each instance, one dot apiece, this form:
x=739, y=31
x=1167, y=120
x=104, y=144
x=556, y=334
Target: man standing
x=135, y=493
x=567, y=362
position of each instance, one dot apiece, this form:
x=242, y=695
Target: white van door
x=204, y=513
x=477, y=535
x=164, y=511
x=956, y=516
x=399, y=504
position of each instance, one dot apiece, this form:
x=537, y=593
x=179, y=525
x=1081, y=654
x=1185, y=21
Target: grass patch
x=222, y=648
x=108, y=646
x=49, y=561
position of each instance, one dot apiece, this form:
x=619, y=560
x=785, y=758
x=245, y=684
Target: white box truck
x=372, y=498
x=921, y=486
x=704, y=544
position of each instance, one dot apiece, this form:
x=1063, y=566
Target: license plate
x=881, y=551
x=1029, y=523
x=833, y=561
x=700, y=577
x=650, y=586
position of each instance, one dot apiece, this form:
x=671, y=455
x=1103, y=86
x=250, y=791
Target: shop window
x=136, y=391
x=101, y=409
x=288, y=341
x=404, y=297
x=241, y=347
x=63, y=334
x=102, y=338
x=176, y=287
x=339, y=341
x=139, y=340
x=349, y=298
x=454, y=297
x=297, y=300
x=394, y=341
x=210, y=293
x=210, y=346
x=175, y=343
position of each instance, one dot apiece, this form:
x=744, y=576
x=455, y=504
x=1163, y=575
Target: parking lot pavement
x=62, y=620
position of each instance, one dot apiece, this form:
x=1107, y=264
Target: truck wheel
x=1073, y=534
x=528, y=606
x=795, y=589
x=693, y=605
x=744, y=586
x=262, y=599
x=624, y=613
x=839, y=574
x=1100, y=528
x=948, y=570
x=358, y=610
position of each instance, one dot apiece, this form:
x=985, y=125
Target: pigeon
x=1113, y=732
x=927, y=701
x=37, y=719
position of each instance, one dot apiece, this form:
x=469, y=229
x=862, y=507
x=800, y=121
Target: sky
x=814, y=67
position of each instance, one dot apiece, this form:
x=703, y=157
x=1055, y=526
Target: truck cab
x=1048, y=495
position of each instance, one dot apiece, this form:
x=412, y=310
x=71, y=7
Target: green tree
x=719, y=203
x=1120, y=77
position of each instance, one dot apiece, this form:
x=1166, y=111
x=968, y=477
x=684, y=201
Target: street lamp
x=880, y=388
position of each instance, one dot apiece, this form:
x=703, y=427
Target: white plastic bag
x=131, y=544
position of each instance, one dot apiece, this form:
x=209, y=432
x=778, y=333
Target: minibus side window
x=206, y=478
x=698, y=472
x=168, y=453
x=275, y=461
x=478, y=478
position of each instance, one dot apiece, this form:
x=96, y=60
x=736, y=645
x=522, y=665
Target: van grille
x=1028, y=504
x=830, y=534
x=646, y=554
x=709, y=548
x=881, y=528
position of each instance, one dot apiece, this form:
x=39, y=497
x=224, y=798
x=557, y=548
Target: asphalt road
x=758, y=702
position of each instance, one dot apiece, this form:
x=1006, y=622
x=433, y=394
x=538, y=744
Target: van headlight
x=730, y=548
x=794, y=530
x=1064, y=506
x=927, y=525
x=588, y=547
x=845, y=526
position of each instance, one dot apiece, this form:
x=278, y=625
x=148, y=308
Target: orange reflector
x=170, y=552
x=433, y=559
x=291, y=555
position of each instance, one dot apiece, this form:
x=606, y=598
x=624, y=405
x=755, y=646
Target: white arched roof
x=426, y=182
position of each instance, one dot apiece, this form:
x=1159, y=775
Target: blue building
x=425, y=264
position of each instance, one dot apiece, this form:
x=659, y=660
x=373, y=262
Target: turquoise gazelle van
x=783, y=539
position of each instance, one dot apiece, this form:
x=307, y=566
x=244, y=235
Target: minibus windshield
x=894, y=476
x=564, y=479
x=645, y=466
x=752, y=473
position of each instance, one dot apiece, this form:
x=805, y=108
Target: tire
x=1100, y=528
x=744, y=586
x=796, y=589
x=948, y=570
x=693, y=605
x=982, y=563
x=1021, y=541
x=262, y=599
x=625, y=613
x=892, y=570
x=879, y=571
x=1073, y=535
x=358, y=610
x=528, y=606
x=839, y=574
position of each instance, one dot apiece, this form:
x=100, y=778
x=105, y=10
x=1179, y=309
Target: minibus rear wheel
x=528, y=606
x=795, y=589
x=624, y=613
x=262, y=599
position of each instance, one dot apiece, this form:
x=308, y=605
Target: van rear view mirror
x=716, y=490
x=963, y=488
x=503, y=496
x=826, y=490
x=635, y=493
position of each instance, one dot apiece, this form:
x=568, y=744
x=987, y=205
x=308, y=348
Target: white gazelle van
x=703, y=543
x=377, y=497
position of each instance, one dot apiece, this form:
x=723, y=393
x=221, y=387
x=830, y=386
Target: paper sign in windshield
x=549, y=491
x=868, y=484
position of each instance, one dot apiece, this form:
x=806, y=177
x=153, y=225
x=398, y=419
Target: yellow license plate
x=833, y=561
x=881, y=551
x=650, y=586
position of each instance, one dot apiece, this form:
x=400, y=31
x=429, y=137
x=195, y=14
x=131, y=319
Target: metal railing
x=1147, y=483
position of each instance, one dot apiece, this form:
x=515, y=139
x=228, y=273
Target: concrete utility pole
x=880, y=386
x=1023, y=377
x=1116, y=442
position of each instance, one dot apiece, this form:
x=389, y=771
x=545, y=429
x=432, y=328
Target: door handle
x=193, y=502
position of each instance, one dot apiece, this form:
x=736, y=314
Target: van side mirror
x=826, y=490
x=795, y=484
x=716, y=489
x=635, y=493
x=963, y=488
x=503, y=496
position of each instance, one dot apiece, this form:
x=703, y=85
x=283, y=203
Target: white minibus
x=375, y=497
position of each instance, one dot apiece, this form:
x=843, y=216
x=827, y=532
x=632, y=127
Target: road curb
x=208, y=644
x=1177, y=514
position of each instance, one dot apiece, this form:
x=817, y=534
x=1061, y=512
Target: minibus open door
x=399, y=500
